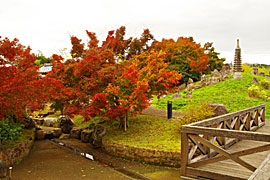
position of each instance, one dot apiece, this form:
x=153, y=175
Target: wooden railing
x=202, y=141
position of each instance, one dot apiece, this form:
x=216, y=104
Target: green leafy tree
x=214, y=61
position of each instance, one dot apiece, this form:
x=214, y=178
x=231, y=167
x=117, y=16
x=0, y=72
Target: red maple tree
x=146, y=75
x=21, y=87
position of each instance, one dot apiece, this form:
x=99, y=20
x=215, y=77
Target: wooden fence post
x=184, y=153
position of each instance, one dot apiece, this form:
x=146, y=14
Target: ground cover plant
x=25, y=135
x=232, y=93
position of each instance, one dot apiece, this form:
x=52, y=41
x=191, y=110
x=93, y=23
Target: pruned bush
x=195, y=114
x=265, y=84
x=255, y=92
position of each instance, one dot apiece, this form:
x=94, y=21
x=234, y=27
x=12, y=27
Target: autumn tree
x=88, y=73
x=93, y=67
x=21, y=87
x=146, y=75
x=184, y=55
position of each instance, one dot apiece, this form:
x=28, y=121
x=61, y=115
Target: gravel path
x=153, y=111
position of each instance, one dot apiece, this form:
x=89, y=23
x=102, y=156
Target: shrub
x=9, y=130
x=195, y=114
x=255, y=92
x=247, y=68
x=265, y=84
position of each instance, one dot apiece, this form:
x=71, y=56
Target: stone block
x=85, y=135
x=64, y=136
x=76, y=132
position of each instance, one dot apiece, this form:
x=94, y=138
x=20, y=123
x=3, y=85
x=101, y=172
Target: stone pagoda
x=237, y=62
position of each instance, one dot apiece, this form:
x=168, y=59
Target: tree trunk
x=124, y=122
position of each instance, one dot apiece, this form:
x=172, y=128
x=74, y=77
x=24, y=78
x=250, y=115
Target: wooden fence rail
x=202, y=141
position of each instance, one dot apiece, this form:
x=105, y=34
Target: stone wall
x=14, y=154
x=153, y=156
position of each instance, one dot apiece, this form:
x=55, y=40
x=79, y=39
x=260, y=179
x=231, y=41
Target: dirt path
x=48, y=161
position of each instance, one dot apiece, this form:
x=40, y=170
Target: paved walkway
x=48, y=161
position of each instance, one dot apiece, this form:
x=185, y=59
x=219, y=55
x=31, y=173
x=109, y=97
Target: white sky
x=46, y=25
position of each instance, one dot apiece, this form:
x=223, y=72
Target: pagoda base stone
x=237, y=75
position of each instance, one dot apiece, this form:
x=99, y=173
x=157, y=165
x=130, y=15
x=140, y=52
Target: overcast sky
x=46, y=25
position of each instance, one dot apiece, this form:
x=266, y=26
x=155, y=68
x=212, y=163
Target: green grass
x=164, y=134
x=147, y=132
x=232, y=93
x=79, y=121
x=26, y=135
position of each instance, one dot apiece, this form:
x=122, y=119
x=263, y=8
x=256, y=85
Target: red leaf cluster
x=21, y=88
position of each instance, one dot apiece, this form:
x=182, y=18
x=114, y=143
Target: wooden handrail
x=257, y=136
x=225, y=117
x=219, y=133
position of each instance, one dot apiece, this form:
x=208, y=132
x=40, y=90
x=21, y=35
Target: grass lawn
x=164, y=134
x=232, y=93
x=147, y=132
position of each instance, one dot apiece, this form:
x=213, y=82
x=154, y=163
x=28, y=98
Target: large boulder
x=51, y=111
x=40, y=134
x=215, y=73
x=224, y=77
x=76, y=132
x=190, y=81
x=214, y=80
x=64, y=136
x=189, y=95
x=262, y=74
x=43, y=134
x=255, y=81
x=190, y=86
x=182, y=87
x=57, y=132
x=203, y=80
x=254, y=71
x=208, y=81
x=66, y=124
x=219, y=109
x=49, y=122
x=43, y=114
x=39, y=121
x=176, y=96
x=98, y=131
x=86, y=134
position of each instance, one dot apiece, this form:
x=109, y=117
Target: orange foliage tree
x=144, y=76
x=93, y=68
x=184, y=55
x=21, y=88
